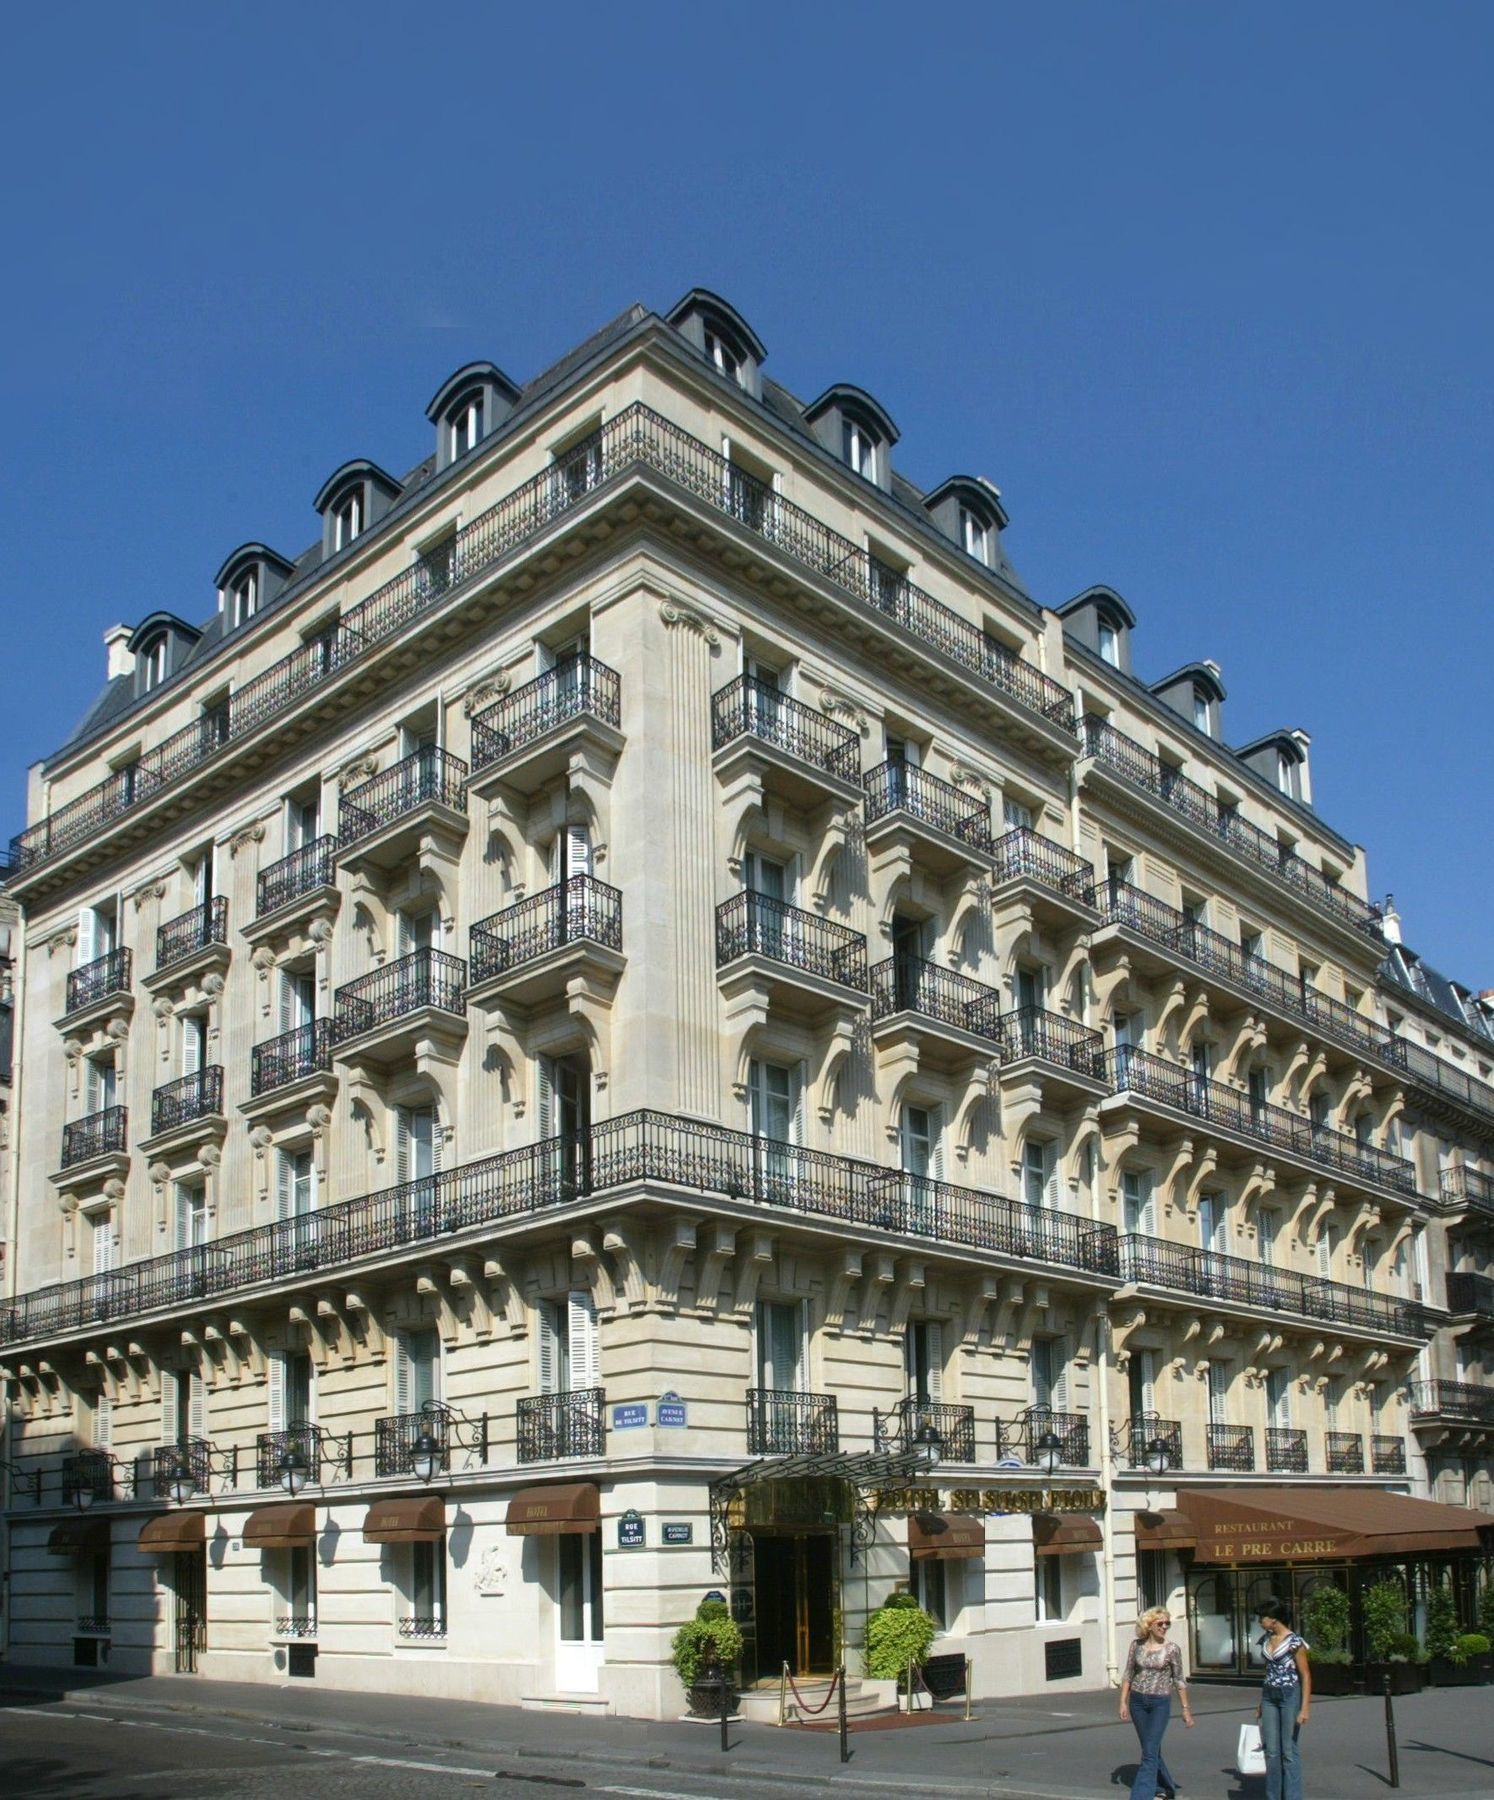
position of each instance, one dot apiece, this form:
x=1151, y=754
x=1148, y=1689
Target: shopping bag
x=1250, y=1758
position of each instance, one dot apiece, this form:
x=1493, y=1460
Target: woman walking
x=1153, y=1673
x=1286, y=1698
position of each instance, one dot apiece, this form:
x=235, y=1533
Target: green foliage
x=1442, y=1621
x=897, y=1633
x=1318, y=1658
x=1384, y=1609
x=1469, y=1645
x=902, y=1600
x=712, y=1630
x=1325, y=1623
x=1486, y=1609
x=712, y=1609
x=1405, y=1647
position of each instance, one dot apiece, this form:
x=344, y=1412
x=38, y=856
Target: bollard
x=1395, y=1760
x=967, y=1689
x=783, y=1696
x=725, y=1708
x=845, y=1741
x=908, y=1678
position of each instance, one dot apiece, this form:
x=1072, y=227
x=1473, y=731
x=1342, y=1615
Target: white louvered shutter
x=585, y=1357
x=545, y=1097
x=277, y=1390
x=796, y=1104
x=284, y=1181
x=577, y=850
x=192, y=1034
x=1050, y=1175
x=933, y=1334
x=403, y=1377
x=549, y=1349
x=169, y=1405
x=197, y=1406
x=402, y=1145
x=103, y=1423
x=1059, y=1368
x=103, y=1244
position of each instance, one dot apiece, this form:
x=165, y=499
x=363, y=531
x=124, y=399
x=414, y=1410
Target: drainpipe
x=1107, y=1486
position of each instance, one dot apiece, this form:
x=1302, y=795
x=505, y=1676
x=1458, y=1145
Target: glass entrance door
x=794, y=1602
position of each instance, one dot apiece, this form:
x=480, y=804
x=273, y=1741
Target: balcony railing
x=1217, y=1276
x=199, y=929
x=1434, y=1075
x=1286, y=1450
x=1143, y=1431
x=296, y=1625
x=638, y=439
x=1453, y=1400
x=1469, y=1293
x=428, y=777
x=421, y=1627
x=580, y=910
x=1468, y=1187
x=1022, y=855
x=307, y=1050
x=755, y=925
x=1140, y=1072
x=902, y=787
x=909, y=984
x=305, y=870
x=616, y=1154
x=577, y=687
x=92, y=1625
x=780, y=1423
x=1023, y=1436
x=191, y=1455
x=748, y=707
x=552, y=1426
x=271, y=1447
x=396, y=1434
x=1202, y=810
x=98, y=980
x=911, y=1416
x=1030, y=1031
x=1232, y=1447
x=100, y=1134
x=424, y=978
x=1387, y=1454
x=1345, y=1452
x=87, y=1472
x=195, y=1096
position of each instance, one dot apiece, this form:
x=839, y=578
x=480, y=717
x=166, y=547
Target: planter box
x=1331, y=1679
x=1405, y=1677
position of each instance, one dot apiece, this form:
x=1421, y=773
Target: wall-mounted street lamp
x=1049, y=1450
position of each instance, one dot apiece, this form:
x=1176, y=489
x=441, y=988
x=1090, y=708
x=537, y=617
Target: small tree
x=897, y=1633
x=712, y=1635
x=1325, y=1621
x=1384, y=1609
x=1442, y=1621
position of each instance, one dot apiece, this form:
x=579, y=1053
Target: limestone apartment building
x=641, y=1020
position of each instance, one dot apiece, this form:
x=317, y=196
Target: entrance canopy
x=289, y=1526
x=419, y=1520
x=1240, y=1526
x=78, y=1537
x=169, y=1532
x=953, y=1537
x=555, y=1511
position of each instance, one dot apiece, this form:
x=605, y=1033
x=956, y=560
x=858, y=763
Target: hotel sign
x=992, y=1500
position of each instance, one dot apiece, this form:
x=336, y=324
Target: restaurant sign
x=1262, y=1540
x=992, y=1500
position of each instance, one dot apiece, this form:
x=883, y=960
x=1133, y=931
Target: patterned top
x=1155, y=1668
x=1281, y=1663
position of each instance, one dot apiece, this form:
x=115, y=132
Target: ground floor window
x=581, y=1587
x=1050, y=1606
x=1152, y=1586
x=299, y=1592
x=934, y=1589
x=427, y=1591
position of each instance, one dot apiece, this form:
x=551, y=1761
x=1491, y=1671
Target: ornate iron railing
x=1286, y=1450
x=748, y=707
x=901, y=1427
x=780, y=1423
x=87, y=1472
x=1468, y=1187
x=1452, y=1400
x=98, y=980
x=196, y=930
x=1433, y=1075
x=1023, y=1436
x=424, y=978
x=395, y=1437
x=295, y=1625
x=755, y=925
x=420, y=1627
x=1143, y=1431
x=92, y=1625
x=1023, y=855
x=1232, y=1447
x=306, y=1050
x=577, y=687
x=428, y=777
x=551, y=1426
x=195, y=1096
x=579, y=910
x=271, y=1447
x=1344, y=1451
x=305, y=870
x=638, y=439
x=909, y=984
x=103, y=1133
x=1469, y=1293
x=903, y=787
x=1030, y=1031
x=191, y=1455
x=1387, y=1454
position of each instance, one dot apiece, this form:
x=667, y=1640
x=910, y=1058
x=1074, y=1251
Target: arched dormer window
x=1196, y=692
x=160, y=645
x=725, y=339
x=1282, y=760
x=853, y=426
x=248, y=581
x=466, y=407
x=969, y=510
x=150, y=662
x=352, y=499
x=1102, y=622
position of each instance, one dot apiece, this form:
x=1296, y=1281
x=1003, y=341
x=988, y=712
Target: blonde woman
x=1153, y=1673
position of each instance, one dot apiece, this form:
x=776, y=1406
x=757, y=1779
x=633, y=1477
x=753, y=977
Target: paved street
x=189, y=1740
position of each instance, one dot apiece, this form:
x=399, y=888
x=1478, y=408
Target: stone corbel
x=301, y=1320
x=980, y=1294
x=360, y=769
x=147, y=892
x=485, y=691
x=160, y=1177
x=245, y=836
x=621, y=1241
x=262, y=961
x=1033, y=1314
x=691, y=618
x=837, y=833
x=356, y=1307
x=503, y=1275
x=834, y=1050
x=912, y=1284
x=676, y=1244
x=589, y=1270
x=1121, y=1335
x=336, y=1328
x=469, y=1289
x=837, y=705
x=982, y=1084
x=751, y=1268
x=62, y=940
x=429, y=1287
x=223, y=1356
x=876, y=1281
x=720, y=1247
x=838, y=1298
x=254, y=1356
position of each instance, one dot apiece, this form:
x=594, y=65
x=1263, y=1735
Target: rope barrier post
x=908, y=1681
x=725, y=1709
x=967, y=1689
x=1395, y=1759
x=845, y=1741
x=783, y=1694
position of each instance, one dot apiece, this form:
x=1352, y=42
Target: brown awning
x=415, y=1521
x=1065, y=1534
x=169, y=1532
x=75, y=1537
x=1164, y=1531
x=951, y=1536
x=1254, y=1525
x=289, y=1526
x=553, y=1511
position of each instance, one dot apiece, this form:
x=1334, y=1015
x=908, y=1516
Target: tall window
x=417, y=1370
x=464, y=426
x=347, y=520
x=150, y=661
x=1109, y=644
x=243, y=598
x=723, y=356
x=1137, y=1204
x=931, y=1589
x=428, y=1585
x=191, y=1215
x=923, y=1361
x=569, y=1348
x=1050, y=1373
x=974, y=535
x=1040, y=1172
x=1213, y=1223
x=1049, y=1586
x=1201, y=709
x=780, y=1346
x=860, y=448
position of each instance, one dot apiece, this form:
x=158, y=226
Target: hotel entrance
x=794, y=1602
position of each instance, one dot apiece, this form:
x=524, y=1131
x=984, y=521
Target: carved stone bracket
x=485, y=691
x=675, y=612
x=841, y=706
x=245, y=836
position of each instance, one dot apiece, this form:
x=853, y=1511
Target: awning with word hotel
x=947, y=1536
x=78, y=1537
x=419, y=1520
x=169, y=1532
x=1065, y=1534
x=1168, y=1530
x=1256, y=1525
x=289, y=1526
x=553, y=1511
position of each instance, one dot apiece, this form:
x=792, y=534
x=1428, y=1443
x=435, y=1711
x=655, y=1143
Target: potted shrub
x=1486, y=1610
x=705, y=1648
x=1325, y=1625
x=1389, y=1648
x=1442, y=1634
x=1471, y=1652
x=897, y=1633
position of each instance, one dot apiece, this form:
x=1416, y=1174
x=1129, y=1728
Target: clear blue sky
x=1205, y=289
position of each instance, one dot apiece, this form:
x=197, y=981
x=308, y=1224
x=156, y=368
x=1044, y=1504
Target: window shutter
x=577, y=850
x=545, y=1097
x=1147, y=1361
x=1059, y=1367
x=283, y=1181
x=183, y=1217
x=1050, y=1175
x=796, y=1104
x=191, y=1046
x=197, y=1406
x=103, y=1244
x=435, y=1141
x=103, y=1423
x=585, y=1358
x=401, y=1145
x=403, y=1377
x=933, y=1336
x=549, y=1360
x=169, y=1379
x=1041, y=1364
x=277, y=1390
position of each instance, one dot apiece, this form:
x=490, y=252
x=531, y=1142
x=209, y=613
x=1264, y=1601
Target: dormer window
x=464, y=426
x=1288, y=775
x=851, y=424
x=859, y=448
x=974, y=535
x=243, y=598
x=151, y=664
x=347, y=519
x=721, y=353
x=1201, y=709
x=1109, y=639
x=713, y=327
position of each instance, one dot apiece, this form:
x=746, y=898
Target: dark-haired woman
x=1286, y=1698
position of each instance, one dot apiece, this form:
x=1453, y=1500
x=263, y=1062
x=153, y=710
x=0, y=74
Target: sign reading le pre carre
x=1262, y=1540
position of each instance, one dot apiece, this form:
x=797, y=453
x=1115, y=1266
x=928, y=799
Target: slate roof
x=1405, y=970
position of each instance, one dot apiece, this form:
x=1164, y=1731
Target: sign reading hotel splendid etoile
x=992, y=1500
x=1261, y=1540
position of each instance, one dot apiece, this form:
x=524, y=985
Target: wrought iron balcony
x=1143, y=1432
x=1464, y=1187
x=1024, y=855
x=581, y=910
x=396, y=1434
x=751, y=708
x=88, y=1472
x=1468, y=1400
x=918, y=1206
x=1445, y=1082
x=429, y=777
x=293, y=1056
x=1286, y=1450
x=190, y=1455
x=200, y=929
x=1051, y=1038
x=901, y=1428
x=909, y=984
x=1156, y=1262
x=780, y=1423
x=755, y=925
x=1345, y=1452
x=303, y=872
x=1232, y=1447
x=421, y=1627
x=425, y=979
x=1468, y=1293
x=552, y=1426
x=100, y=1134
x=1387, y=1454
x=902, y=787
x=183, y=1102
x=272, y=1447
x=295, y=1625
x=98, y=980
x=577, y=687
x=1023, y=1437
x=1229, y=1109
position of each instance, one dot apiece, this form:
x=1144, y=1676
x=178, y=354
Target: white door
x=580, y=1648
x=773, y=1098
x=1213, y=1224
x=417, y=1162
x=920, y=1158
x=1137, y=1202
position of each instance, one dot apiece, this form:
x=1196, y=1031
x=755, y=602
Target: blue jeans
x=1279, y=1708
x=1149, y=1714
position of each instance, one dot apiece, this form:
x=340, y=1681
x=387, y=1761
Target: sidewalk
x=1070, y=1746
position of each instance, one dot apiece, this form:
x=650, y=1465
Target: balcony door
x=1213, y=1224
x=417, y=1163
x=570, y=853
x=770, y=885
x=297, y=1000
x=1278, y=1398
x=564, y=1109
x=295, y=1207
x=923, y=1367
x=780, y=1347
x=417, y=1370
x=569, y=1348
x=764, y=696
x=919, y=1146
x=1138, y=1203
x=1050, y=1374
x=774, y=1103
x=303, y=821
